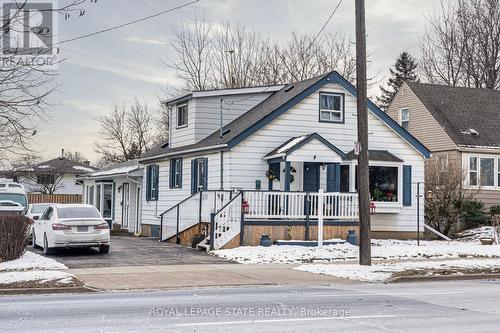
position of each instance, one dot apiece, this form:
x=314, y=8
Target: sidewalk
x=184, y=276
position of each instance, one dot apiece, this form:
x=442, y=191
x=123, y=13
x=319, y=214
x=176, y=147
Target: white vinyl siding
x=246, y=164
x=204, y=115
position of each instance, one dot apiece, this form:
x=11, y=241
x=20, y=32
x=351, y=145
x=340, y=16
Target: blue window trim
x=342, y=95
x=194, y=174
x=332, y=77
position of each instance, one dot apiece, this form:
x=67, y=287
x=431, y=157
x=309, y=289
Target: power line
x=126, y=24
x=303, y=52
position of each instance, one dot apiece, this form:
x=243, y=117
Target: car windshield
x=38, y=209
x=78, y=213
x=10, y=199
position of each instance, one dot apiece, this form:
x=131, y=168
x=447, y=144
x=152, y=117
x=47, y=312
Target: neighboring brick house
x=460, y=126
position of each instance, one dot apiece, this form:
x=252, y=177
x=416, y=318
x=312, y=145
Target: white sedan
x=71, y=225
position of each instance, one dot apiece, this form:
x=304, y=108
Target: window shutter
x=205, y=173
x=193, y=176
x=156, y=180
x=406, y=185
x=171, y=174
x=148, y=183
x=180, y=172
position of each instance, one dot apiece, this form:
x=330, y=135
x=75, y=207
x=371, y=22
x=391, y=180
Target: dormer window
x=182, y=115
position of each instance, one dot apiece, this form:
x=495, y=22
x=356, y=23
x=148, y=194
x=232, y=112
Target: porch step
x=203, y=246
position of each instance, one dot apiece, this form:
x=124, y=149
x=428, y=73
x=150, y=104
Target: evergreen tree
x=404, y=71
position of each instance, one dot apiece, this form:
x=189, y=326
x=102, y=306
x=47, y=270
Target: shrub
x=495, y=210
x=473, y=214
x=13, y=236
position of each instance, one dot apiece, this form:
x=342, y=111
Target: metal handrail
x=222, y=208
x=191, y=196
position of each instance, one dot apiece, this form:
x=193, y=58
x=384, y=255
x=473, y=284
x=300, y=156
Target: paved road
x=133, y=251
x=470, y=306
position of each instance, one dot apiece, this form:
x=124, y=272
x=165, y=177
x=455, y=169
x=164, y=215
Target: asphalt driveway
x=132, y=251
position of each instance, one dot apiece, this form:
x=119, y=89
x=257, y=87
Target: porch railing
x=301, y=205
x=226, y=223
x=191, y=211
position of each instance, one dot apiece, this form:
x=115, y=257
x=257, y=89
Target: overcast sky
x=124, y=64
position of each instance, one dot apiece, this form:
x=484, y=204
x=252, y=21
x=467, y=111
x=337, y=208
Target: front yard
x=35, y=271
x=391, y=258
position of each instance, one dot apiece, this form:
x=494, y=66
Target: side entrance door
x=125, y=204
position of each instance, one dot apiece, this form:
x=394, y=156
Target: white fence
x=299, y=205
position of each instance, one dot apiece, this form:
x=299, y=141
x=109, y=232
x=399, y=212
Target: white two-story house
x=242, y=162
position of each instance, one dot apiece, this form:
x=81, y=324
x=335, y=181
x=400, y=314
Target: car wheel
x=46, y=248
x=33, y=241
x=103, y=249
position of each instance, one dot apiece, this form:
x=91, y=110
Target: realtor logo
x=28, y=35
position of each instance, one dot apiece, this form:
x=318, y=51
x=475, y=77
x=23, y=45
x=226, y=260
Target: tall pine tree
x=404, y=70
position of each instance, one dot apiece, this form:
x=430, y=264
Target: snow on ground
x=381, y=272
x=473, y=235
x=31, y=261
x=381, y=249
x=39, y=277
x=33, y=270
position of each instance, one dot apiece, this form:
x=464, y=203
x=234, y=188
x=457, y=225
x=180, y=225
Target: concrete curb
x=417, y=278
x=59, y=290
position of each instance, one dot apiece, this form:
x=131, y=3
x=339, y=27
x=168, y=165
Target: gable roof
x=275, y=105
x=459, y=110
x=62, y=165
x=296, y=142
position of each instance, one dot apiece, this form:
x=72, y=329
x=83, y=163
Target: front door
x=125, y=204
x=311, y=177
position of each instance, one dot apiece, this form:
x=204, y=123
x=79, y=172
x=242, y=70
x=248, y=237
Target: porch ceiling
x=307, y=148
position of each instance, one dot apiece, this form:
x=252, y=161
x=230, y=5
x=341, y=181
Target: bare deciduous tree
x=212, y=56
x=126, y=133
x=24, y=86
x=461, y=46
x=446, y=183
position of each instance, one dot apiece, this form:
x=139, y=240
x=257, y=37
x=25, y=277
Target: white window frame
x=177, y=174
x=177, y=115
x=401, y=120
x=341, y=111
x=496, y=170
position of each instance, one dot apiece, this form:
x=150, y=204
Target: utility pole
x=363, y=169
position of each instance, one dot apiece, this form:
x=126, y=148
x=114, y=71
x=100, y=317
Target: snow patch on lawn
x=40, y=277
x=381, y=272
x=31, y=261
x=33, y=270
x=381, y=249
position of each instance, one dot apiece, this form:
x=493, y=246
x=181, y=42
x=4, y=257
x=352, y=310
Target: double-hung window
x=176, y=173
x=487, y=171
x=404, y=116
x=331, y=107
x=152, y=173
x=182, y=115
x=473, y=171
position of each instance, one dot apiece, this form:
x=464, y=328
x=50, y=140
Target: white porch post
x=320, y=218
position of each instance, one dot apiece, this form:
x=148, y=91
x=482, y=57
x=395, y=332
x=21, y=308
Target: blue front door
x=311, y=177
